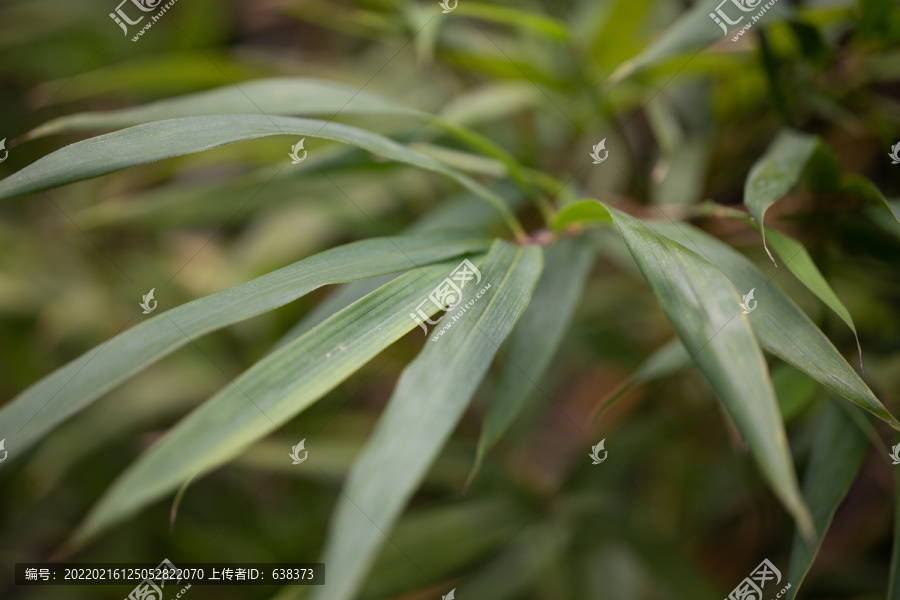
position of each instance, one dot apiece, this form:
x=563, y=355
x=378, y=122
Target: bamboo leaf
x=776, y=172
x=300, y=97
x=277, y=96
x=68, y=390
x=469, y=214
x=430, y=398
x=692, y=31
x=536, y=338
x=859, y=186
x=514, y=17
x=703, y=307
x=837, y=455
x=150, y=142
x=266, y=396
x=781, y=327
x=800, y=263
x=582, y=212
x=794, y=389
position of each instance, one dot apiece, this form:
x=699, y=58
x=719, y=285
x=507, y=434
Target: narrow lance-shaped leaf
x=781, y=327
x=150, y=142
x=837, y=455
x=859, y=186
x=267, y=395
x=67, y=390
x=537, y=337
x=703, y=307
x=429, y=400
x=692, y=31
x=295, y=96
x=277, y=96
x=581, y=212
x=800, y=263
x=794, y=389
x=469, y=214
x=513, y=17
x=775, y=173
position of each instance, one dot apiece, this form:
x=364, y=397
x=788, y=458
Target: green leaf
x=859, y=186
x=536, y=339
x=69, y=389
x=150, y=142
x=428, y=402
x=703, y=307
x=794, y=389
x=837, y=455
x=781, y=327
x=800, y=263
x=692, y=31
x=582, y=212
x=490, y=101
x=513, y=17
x=469, y=213
x=277, y=96
x=267, y=395
x=776, y=172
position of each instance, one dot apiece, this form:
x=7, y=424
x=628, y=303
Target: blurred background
x=685, y=513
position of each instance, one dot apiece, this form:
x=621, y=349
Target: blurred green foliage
x=679, y=510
